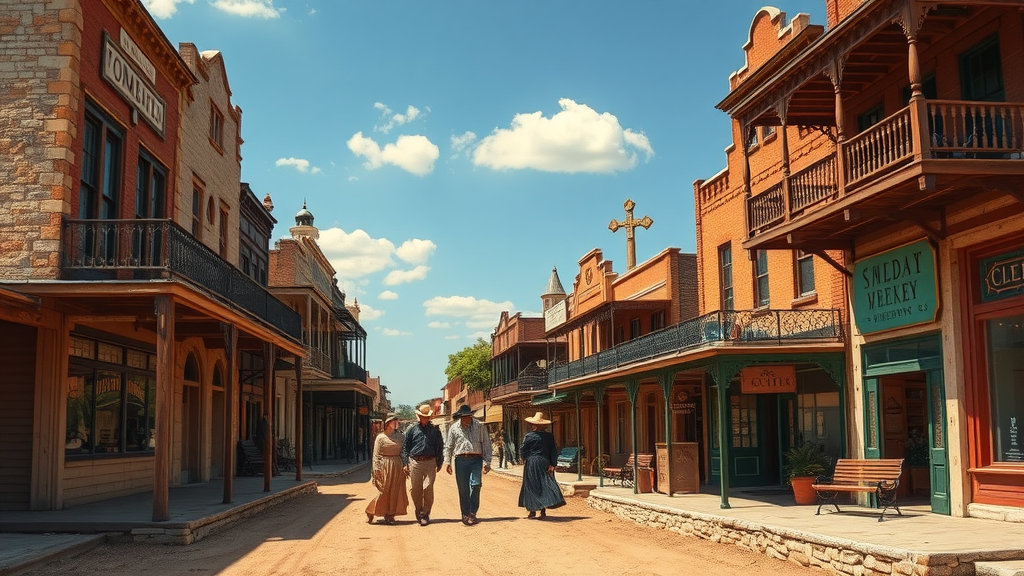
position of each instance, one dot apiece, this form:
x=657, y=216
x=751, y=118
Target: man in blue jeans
x=469, y=446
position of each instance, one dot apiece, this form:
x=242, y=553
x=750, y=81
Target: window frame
x=800, y=260
x=216, y=127
x=100, y=192
x=762, y=292
x=727, y=294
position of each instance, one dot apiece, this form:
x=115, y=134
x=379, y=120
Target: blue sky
x=454, y=151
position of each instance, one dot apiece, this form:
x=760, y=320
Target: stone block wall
x=40, y=54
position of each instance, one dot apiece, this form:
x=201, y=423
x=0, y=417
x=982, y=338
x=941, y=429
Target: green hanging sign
x=895, y=288
x=1002, y=276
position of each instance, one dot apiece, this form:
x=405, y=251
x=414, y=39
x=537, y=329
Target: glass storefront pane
x=78, y=430
x=108, y=412
x=1005, y=341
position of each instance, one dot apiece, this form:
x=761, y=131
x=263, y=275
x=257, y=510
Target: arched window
x=191, y=368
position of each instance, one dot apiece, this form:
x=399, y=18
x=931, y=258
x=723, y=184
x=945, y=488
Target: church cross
x=629, y=224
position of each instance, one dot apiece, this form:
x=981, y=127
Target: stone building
x=126, y=336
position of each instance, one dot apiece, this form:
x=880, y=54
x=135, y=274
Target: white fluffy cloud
x=394, y=332
x=355, y=255
x=475, y=313
x=164, y=8
x=391, y=119
x=387, y=295
x=577, y=139
x=436, y=324
x=248, y=8
x=396, y=277
x=300, y=164
x=368, y=313
x=462, y=142
x=416, y=251
x=414, y=154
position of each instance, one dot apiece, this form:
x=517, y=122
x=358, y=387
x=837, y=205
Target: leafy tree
x=473, y=364
x=405, y=412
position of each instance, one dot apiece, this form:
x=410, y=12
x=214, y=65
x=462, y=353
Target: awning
x=493, y=415
x=544, y=399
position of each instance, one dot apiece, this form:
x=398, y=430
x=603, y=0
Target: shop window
x=1005, y=342
x=761, y=298
x=804, y=273
x=111, y=408
x=725, y=276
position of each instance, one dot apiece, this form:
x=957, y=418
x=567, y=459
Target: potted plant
x=803, y=466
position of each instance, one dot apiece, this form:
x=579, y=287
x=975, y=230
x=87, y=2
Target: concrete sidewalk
x=196, y=510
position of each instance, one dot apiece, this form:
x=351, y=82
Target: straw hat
x=425, y=411
x=391, y=416
x=538, y=419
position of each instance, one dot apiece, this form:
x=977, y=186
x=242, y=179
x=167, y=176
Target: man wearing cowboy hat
x=422, y=454
x=469, y=446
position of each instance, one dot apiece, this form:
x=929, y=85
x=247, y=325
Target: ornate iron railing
x=318, y=359
x=738, y=326
x=145, y=249
x=524, y=383
x=353, y=371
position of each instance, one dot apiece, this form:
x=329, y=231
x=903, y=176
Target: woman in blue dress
x=539, y=490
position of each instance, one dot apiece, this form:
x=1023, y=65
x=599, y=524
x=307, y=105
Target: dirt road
x=327, y=533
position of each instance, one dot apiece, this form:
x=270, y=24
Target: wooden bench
x=878, y=477
x=624, y=475
x=568, y=459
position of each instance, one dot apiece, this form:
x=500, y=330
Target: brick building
x=884, y=148
x=125, y=336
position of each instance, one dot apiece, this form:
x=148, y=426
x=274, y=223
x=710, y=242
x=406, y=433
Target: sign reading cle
x=895, y=288
x=768, y=380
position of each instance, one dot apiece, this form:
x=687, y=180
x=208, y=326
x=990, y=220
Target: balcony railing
x=353, y=371
x=318, y=359
x=742, y=326
x=525, y=383
x=144, y=249
x=930, y=129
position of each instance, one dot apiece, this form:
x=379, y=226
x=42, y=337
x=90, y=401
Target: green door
x=746, y=453
x=939, y=459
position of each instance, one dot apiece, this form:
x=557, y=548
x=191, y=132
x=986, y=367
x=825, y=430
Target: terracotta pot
x=802, y=491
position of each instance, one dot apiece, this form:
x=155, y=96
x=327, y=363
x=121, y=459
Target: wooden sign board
x=768, y=379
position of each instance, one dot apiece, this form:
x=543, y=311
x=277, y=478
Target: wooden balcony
x=149, y=249
x=524, y=383
x=727, y=327
x=910, y=166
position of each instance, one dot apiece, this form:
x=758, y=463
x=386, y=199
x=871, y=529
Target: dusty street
x=328, y=534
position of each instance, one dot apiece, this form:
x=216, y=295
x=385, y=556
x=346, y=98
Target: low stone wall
x=192, y=532
x=833, y=555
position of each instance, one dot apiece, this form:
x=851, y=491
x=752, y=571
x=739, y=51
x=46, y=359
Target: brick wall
x=39, y=64
x=216, y=169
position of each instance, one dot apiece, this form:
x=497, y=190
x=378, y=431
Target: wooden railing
x=813, y=184
x=975, y=129
x=948, y=129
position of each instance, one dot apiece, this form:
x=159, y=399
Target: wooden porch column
x=666, y=379
x=269, y=356
x=632, y=387
x=230, y=413
x=164, y=308
x=835, y=74
x=298, y=417
x=782, y=110
x=919, y=125
x=745, y=137
x=579, y=464
x=598, y=399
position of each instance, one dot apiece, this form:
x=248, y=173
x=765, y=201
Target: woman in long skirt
x=388, y=474
x=539, y=490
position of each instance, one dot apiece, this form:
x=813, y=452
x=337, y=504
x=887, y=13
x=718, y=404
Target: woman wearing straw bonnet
x=539, y=453
x=388, y=474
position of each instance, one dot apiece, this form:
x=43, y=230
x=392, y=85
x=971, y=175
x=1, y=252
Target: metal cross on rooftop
x=629, y=224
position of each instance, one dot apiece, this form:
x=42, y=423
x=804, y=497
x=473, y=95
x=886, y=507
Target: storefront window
x=1005, y=339
x=110, y=410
